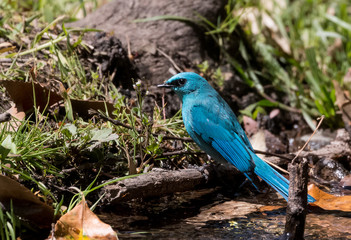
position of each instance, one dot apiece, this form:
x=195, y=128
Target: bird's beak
x=164, y=86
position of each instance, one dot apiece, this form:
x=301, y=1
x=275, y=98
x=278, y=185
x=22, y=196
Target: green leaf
x=9, y=144
x=308, y=120
x=249, y=109
x=69, y=130
x=153, y=148
x=257, y=111
x=103, y=135
x=266, y=103
x=167, y=17
x=339, y=22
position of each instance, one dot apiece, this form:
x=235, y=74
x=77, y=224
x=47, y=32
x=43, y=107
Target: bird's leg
x=253, y=179
x=244, y=182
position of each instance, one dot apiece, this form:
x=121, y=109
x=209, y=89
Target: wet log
x=297, y=204
x=160, y=182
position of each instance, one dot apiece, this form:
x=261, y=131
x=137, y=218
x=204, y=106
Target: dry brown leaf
x=81, y=107
x=6, y=47
x=270, y=208
x=343, y=102
x=258, y=142
x=16, y=116
x=16, y=112
x=328, y=201
x=21, y=94
x=250, y=125
x=25, y=203
x=339, y=93
x=82, y=222
x=275, y=112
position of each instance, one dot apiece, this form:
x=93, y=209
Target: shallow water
x=252, y=227
x=207, y=214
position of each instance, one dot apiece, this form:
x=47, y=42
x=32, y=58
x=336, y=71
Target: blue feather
x=213, y=126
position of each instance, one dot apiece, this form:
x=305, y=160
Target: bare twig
x=309, y=139
x=130, y=55
x=163, y=104
x=286, y=158
x=276, y=166
x=174, y=153
x=181, y=152
x=184, y=139
x=170, y=59
x=273, y=154
x=131, y=163
x=281, y=105
x=107, y=118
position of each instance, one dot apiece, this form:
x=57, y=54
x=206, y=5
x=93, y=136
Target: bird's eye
x=181, y=81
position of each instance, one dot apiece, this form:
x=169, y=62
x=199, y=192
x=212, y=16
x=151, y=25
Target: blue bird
x=212, y=124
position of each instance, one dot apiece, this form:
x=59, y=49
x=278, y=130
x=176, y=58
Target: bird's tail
x=273, y=178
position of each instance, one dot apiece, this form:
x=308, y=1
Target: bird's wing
x=220, y=133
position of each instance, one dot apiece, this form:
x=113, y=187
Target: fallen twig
x=175, y=153
x=107, y=118
x=170, y=59
x=273, y=154
x=163, y=104
x=309, y=139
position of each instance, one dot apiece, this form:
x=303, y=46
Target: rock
x=329, y=170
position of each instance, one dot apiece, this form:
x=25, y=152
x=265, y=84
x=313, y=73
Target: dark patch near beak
x=164, y=86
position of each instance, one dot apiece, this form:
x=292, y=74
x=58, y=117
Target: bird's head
x=185, y=83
